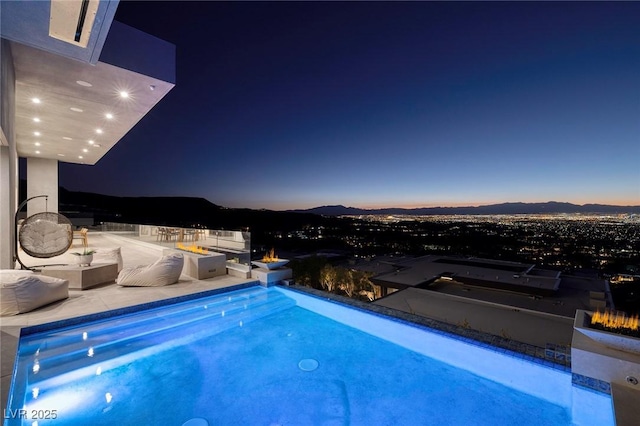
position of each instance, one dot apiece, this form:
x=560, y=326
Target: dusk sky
x=285, y=105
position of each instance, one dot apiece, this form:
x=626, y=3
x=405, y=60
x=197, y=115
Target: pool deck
x=102, y=298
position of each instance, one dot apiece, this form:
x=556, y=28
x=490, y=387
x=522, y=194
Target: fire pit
x=616, y=322
x=614, y=330
x=270, y=270
x=201, y=263
x=270, y=261
x=192, y=248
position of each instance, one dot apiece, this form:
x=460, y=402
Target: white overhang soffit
x=72, y=21
x=73, y=111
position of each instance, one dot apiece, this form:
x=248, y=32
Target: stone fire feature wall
x=604, y=368
x=202, y=266
x=594, y=359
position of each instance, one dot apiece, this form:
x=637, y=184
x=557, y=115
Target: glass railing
x=235, y=245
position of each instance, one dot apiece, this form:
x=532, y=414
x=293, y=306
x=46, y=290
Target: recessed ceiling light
x=85, y=150
x=36, y=100
x=74, y=109
x=84, y=83
x=97, y=145
x=37, y=144
x=152, y=87
x=109, y=116
x=91, y=142
x=60, y=155
x=99, y=131
x=36, y=119
x=67, y=138
x=37, y=152
x=80, y=157
x=36, y=133
x=124, y=94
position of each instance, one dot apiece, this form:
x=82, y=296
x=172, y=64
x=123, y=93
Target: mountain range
x=172, y=211
x=175, y=211
x=551, y=207
x=186, y=211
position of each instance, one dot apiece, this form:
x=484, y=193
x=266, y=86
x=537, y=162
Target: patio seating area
x=105, y=297
x=111, y=296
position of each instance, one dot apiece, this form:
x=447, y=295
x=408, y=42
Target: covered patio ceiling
x=75, y=112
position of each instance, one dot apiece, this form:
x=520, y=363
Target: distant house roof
x=522, y=325
x=526, y=317
x=513, y=276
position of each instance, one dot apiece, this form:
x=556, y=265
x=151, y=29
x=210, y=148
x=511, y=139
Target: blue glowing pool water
x=267, y=357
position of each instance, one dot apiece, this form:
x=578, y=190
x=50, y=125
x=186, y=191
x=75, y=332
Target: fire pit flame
x=192, y=248
x=615, y=321
x=270, y=261
x=270, y=256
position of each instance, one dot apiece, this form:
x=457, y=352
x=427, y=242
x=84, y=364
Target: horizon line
x=470, y=205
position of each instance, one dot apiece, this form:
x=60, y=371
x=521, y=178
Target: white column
x=8, y=156
x=8, y=195
x=42, y=179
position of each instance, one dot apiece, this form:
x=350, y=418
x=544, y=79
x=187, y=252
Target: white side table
x=83, y=277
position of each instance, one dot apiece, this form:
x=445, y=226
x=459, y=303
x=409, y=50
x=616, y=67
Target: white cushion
x=44, y=236
x=112, y=255
x=23, y=291
x=164, y=271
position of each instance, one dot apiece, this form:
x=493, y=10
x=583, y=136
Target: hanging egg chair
x=42, y=235
x=45, y=234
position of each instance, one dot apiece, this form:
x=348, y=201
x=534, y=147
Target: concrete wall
x=42, y=179
x=8, y=156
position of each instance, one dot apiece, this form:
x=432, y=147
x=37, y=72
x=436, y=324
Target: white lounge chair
x=164, y=271
x=24, y=291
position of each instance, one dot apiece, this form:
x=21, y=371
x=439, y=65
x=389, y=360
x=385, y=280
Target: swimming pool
x=280, y=357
